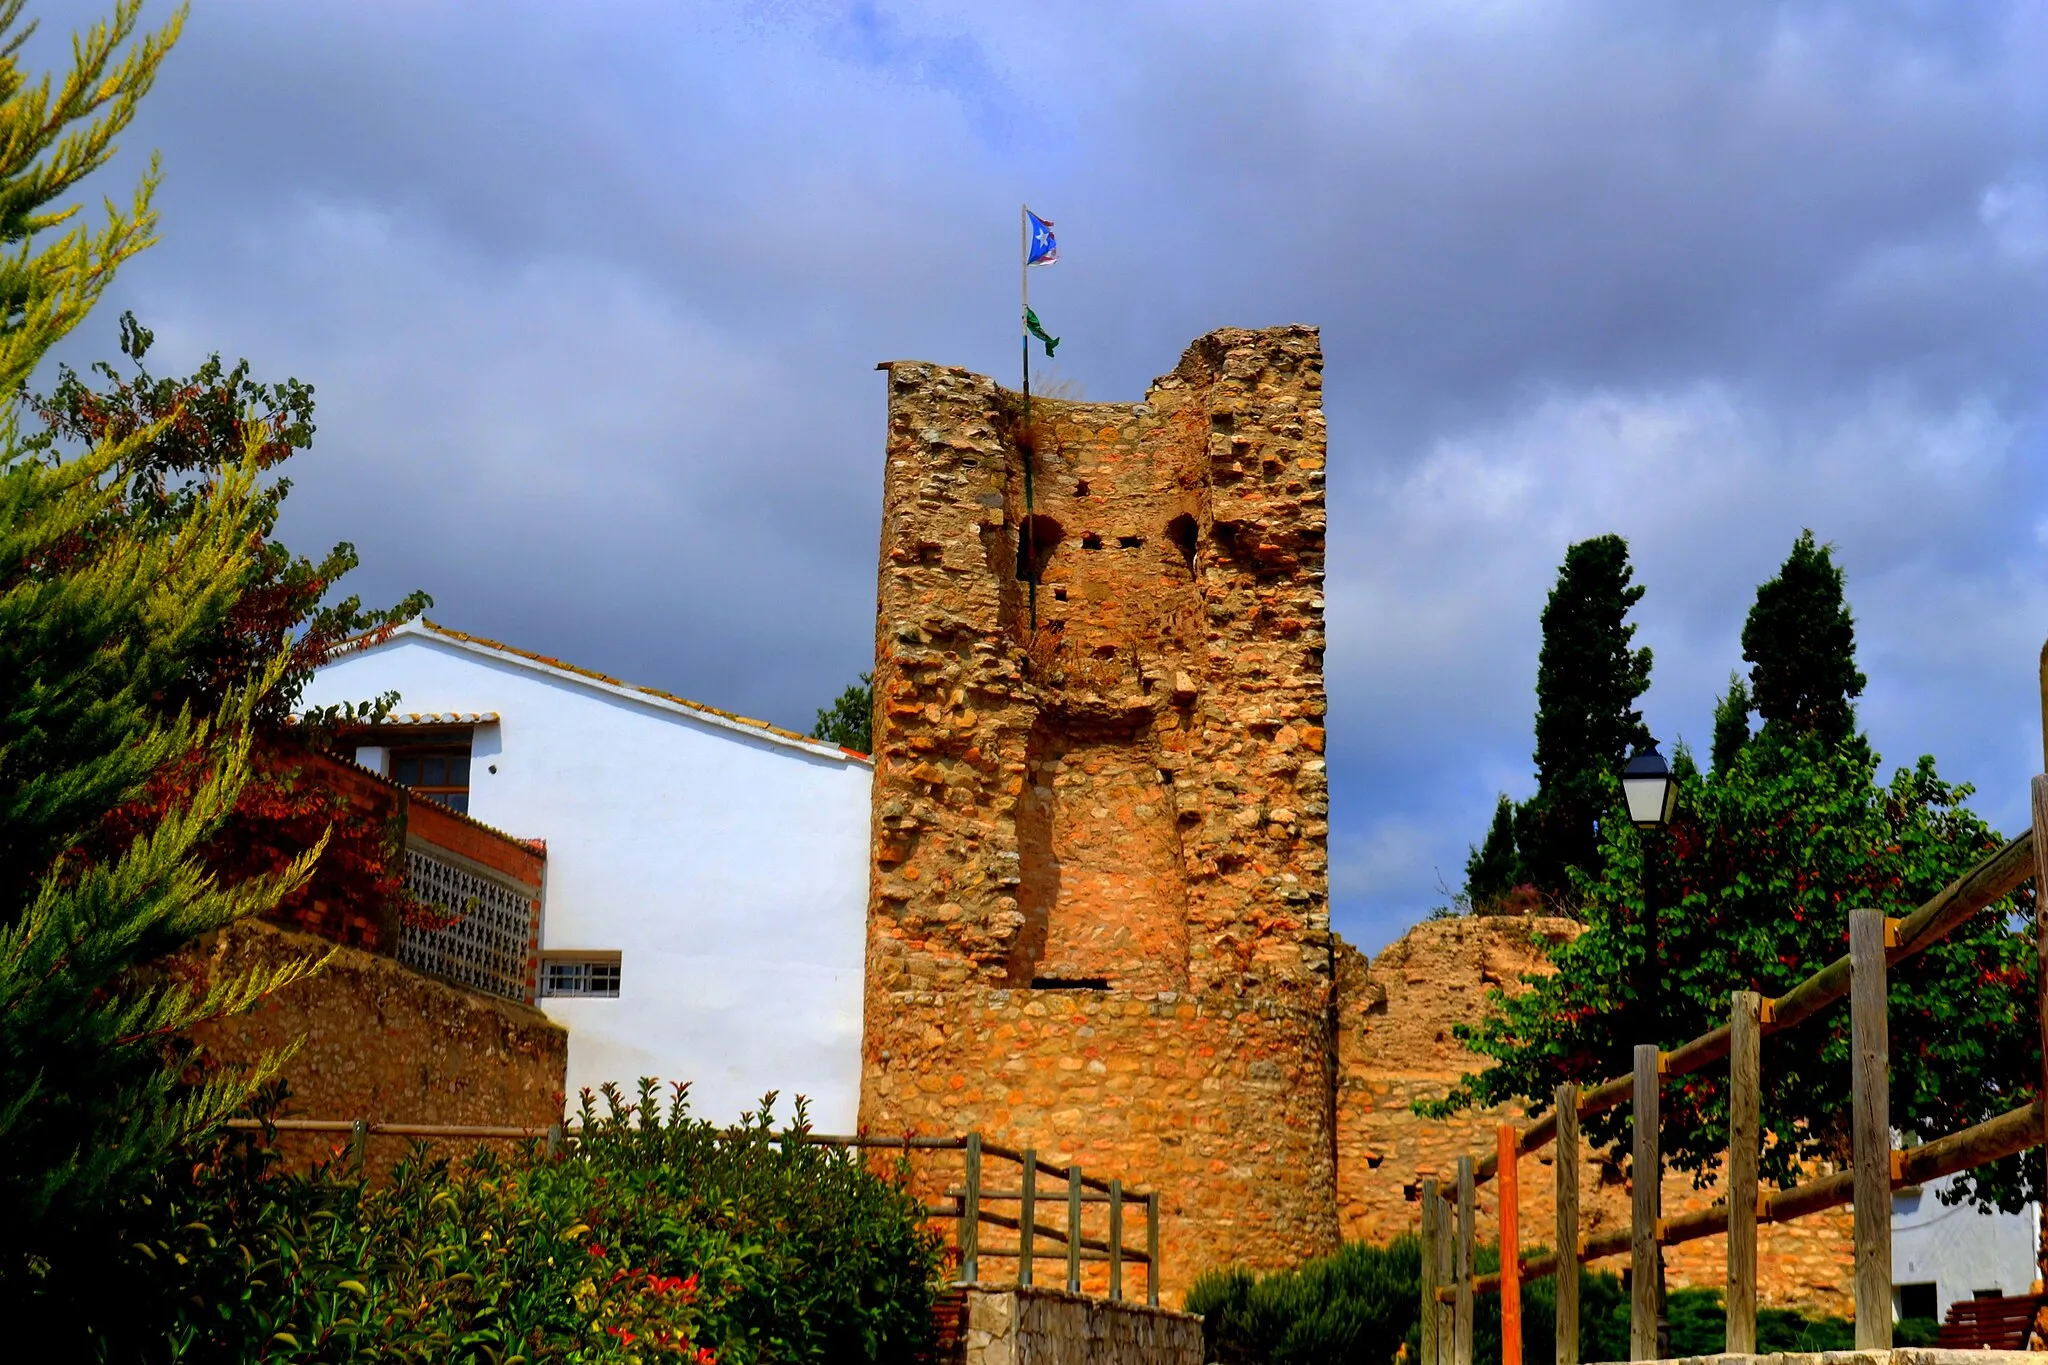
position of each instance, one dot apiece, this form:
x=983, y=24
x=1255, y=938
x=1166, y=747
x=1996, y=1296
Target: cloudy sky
x=592, y=296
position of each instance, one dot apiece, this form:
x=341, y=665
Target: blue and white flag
x=1044, y=248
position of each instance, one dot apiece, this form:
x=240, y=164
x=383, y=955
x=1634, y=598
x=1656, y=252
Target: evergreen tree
x=1587, y=682
x=1731, y=724
x=1800, y=643
x=850, y=720
x=102, y=614
x=1494, y=868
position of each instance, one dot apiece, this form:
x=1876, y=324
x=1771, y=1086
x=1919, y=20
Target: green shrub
x=1915, y=1332
x=652, y=1236
x=1362, y=1303
x=1699, y=1326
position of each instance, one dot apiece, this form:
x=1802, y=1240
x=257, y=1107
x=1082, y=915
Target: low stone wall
x=384, y=1042
x=1036, y=1326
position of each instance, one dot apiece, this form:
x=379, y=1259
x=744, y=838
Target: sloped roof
x=541, y=663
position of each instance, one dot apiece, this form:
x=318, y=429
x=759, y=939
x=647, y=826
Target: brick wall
x=1098, y=918
x=384, y=1042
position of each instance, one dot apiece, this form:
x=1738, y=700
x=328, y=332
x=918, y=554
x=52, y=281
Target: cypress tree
x=1494, y=868
x=1731, y=724
x=102, y=613
x=1800, y=642
x=1587, y=681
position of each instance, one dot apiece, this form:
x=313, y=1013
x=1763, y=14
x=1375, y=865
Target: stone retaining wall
x=1052, y=1327
x=383, y=1042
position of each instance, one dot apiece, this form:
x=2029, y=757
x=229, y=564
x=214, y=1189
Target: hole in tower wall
x=1185, y=535
x=1037, y=537
x=1091, y=541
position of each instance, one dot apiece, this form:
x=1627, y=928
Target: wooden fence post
x=1027, y=1220
x=1152, y=1249
x=1116, y=1240
x=1745, y=1080
x=1432, y=1229
x=1871, y=1131
x=1461, y=1320
x=358, y=1145
x=1446, y=1276
x=1074, y=1228
x=1567, y=1172
x=1507, y=1150
x=970, y=1215
x=1643, y=1208
x=554, y=1140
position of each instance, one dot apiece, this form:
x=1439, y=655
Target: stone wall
x=384, y=1042
x=1098, y=922
x=1395, y=1045
x=1052, y=1327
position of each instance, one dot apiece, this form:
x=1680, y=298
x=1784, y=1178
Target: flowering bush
x=648, y=1237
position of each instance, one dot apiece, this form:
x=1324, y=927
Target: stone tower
x=1098, y=918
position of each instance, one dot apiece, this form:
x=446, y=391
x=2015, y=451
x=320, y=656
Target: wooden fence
x=964, y=1205
x=1875, y=945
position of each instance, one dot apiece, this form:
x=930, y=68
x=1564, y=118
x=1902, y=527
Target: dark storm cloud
x=592, y=296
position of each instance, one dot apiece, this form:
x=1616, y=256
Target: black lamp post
x=1651, y=791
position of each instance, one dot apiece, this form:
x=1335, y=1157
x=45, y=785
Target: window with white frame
x=580, y=974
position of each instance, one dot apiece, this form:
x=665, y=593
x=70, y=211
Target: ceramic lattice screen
x=491, y=946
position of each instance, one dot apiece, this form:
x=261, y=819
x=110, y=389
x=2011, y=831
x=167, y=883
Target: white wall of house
x=727, y=867
x=1958, y=1248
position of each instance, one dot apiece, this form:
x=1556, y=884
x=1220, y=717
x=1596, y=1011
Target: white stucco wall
x=728, y=870
x=1960, y=1248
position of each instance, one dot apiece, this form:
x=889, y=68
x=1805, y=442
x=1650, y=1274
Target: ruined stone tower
x=1098, y=918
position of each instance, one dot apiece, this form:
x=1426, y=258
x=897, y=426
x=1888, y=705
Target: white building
x=706, y=899
x=1945, y=1252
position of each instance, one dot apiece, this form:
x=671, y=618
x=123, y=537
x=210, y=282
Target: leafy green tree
x=1494, y=868
x=1800, y=642
x=101, y=617
x=850, y=720
x=1587, y=680
x=186, y=428
x=1731, y=724
x=1757, y=874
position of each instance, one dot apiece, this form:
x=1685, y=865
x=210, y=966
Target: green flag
x=1032, y=326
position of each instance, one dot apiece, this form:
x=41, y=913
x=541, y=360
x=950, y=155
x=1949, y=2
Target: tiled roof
x=728, y=718
x=440, y=718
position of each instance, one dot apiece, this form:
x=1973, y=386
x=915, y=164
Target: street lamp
x=1650, y=790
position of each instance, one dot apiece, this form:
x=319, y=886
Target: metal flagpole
x=1030, y=531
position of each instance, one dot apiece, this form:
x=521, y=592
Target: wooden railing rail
x=1876, y=945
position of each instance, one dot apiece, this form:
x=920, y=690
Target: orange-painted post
x=1510, y=1251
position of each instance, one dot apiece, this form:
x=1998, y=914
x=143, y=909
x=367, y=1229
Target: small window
x=1918, y=1300
x=593, y=975
x=440, y=774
